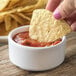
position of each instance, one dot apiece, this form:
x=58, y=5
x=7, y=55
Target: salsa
x=24, y=39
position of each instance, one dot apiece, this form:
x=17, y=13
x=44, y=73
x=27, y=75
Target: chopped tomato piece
x=56, y=42
x=24, y=39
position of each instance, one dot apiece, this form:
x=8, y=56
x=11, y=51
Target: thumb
x=64, y=9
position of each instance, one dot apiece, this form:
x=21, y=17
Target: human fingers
x=52, y=4
x=65, y=8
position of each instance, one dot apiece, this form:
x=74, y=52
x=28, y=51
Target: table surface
x=67, y=68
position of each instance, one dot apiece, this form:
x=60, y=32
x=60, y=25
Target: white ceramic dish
x=35, y=58
x=3, y=39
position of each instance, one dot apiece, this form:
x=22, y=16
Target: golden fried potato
x=15, y=13
x=7, y=22
x=13, y=2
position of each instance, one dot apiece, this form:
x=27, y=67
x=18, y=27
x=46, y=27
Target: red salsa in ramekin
x=24, y=39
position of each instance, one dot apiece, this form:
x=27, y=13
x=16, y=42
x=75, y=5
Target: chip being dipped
x=45, y=28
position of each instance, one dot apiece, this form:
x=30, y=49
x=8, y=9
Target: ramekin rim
x=52, y=46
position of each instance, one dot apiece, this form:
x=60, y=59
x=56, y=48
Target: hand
x=64, y=9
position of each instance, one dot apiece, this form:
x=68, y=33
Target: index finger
x=52, y=4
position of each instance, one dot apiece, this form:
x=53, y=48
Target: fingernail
x=56, y=14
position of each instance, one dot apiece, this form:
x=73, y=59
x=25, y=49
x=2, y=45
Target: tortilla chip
x=44, y=27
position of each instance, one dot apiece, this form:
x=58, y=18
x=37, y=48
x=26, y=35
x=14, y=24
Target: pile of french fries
x=15, y=13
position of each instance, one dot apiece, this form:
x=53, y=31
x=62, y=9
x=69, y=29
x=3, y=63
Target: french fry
x=19, y=3
x=7, y=20
x=1, y=19
x=8, y=12
x=14, y=24
x=13, y=2
x=28, y=14
x=3, y=31
x=18, y=19
x=15, y=13
x=27, y=2
x=24, y=16
x=30, y=8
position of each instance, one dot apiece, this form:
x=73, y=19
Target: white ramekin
x=35, y=58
